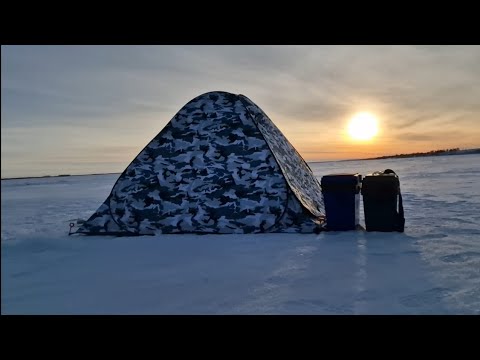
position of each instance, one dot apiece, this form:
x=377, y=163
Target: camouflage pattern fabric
x=212, y=169
x=297, y=172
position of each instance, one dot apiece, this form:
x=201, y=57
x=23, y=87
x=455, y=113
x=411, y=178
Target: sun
x=363, y=126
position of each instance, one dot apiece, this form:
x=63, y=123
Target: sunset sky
x=91, y=109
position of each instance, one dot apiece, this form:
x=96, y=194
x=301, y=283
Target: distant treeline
x=52, y=176
x=453, y=151
x=34, y=177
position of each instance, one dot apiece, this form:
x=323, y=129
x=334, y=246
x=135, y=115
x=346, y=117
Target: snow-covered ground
x=432, y=268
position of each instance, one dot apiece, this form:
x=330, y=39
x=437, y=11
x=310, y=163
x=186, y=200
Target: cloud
x=431, y=136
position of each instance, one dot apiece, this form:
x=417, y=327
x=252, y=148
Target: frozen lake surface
x=432, y=268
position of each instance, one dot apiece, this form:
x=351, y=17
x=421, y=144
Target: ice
x=432, y=268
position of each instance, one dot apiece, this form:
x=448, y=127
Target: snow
x=432, y=268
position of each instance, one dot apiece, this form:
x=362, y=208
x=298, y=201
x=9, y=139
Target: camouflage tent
x=219, y=166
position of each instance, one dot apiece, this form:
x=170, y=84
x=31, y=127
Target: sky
x=91, y=109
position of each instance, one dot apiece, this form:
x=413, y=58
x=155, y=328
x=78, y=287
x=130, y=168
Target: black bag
x=381, y=194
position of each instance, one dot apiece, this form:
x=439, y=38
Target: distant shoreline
x=413, y=155
x=56, y=176
x=430, y=153
x=398, y=156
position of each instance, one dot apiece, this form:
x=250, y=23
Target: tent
x=219, y=166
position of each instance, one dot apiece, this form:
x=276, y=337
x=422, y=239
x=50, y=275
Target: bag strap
x=400, y=221
x=400, y=215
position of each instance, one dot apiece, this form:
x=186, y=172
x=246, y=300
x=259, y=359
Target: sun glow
x=363, y=126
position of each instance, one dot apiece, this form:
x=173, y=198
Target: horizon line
x=430, y=153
